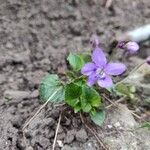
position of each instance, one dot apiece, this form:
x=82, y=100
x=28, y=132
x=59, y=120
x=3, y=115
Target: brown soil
x=35, y=37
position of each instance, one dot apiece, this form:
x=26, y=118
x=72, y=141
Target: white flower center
x=101, y=73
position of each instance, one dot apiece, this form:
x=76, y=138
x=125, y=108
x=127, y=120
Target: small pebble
x=60, y=143
x=117, y=124
x=81, y=135
x=109, y=126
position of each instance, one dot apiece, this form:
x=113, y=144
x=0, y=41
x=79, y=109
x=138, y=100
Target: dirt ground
x=35, y=36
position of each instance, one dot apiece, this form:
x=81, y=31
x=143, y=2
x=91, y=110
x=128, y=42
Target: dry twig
x=39, y=110
x=116, y=105
x=55, y=138
x=135, y=115
x=94, y=133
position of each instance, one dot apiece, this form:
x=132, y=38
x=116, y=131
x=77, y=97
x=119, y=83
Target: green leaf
x=132, y=89
x=8, y=98
x=80, y=81
x=122, y=89
x=98, y=118
x=72, y=91
x=87, y=108
x=91, y=96
x=125, y=90
x=77, y=108
x=86, y=57
x=72, y=102
x=145, y=125
x=93, y=111
x=49, y=85
x=75, y=61
x=70, y=74
x=131, y=96
x=146, y=102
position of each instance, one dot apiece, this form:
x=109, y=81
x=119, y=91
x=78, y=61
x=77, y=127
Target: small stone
x=51, y=134
x=16, y=94
x=9, y=45
x=35, y=77
x=17, y=121
x=66, y=147
x=20, y=69
x=60, y=130
x=20, y=106
x=11, y=79
x=22, y=57
x=109, y=126
x=70, y=136
x=2, y=79
x=117, y=124
x=90, y=145
x=81, y=135
x=34, y=94
x=48, y=122
x=77, y=28
x=60, y=143
x=44, y=142
x=27, y=133
x=29, y=148
x=61, y=136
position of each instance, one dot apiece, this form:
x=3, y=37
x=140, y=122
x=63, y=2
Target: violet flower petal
x=106, y=82
x=88, y=69
x=98, y=57
x=92, y=79
x=90, y=82
x=114, y=68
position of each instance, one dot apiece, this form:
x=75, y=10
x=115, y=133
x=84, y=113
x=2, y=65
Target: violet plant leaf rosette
x=100, y=71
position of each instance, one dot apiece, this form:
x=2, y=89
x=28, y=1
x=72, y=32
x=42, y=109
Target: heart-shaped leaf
x=72, y=93
x=51, y=85
x=75, y=61
x=98, y=118
x=91, y=96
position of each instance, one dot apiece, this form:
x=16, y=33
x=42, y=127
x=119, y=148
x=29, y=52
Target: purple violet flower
x=99, y=70
x=94, y=41
x=130, y=47
x=148, y=60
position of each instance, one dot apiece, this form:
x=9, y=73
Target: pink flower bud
x=148, y=60
x=94, y=41
x=132, y=47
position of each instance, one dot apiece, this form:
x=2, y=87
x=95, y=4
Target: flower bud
x=148, y=60
x=94, y=41
x=121, y=44
x=132, y=47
